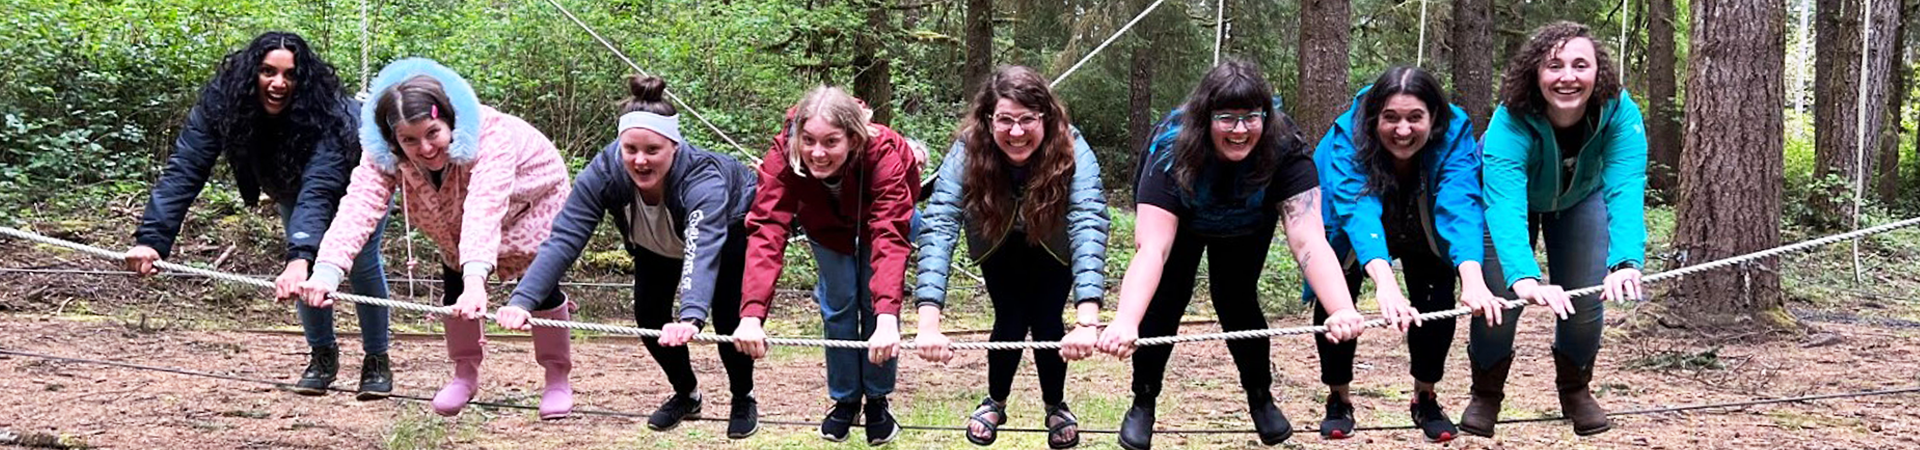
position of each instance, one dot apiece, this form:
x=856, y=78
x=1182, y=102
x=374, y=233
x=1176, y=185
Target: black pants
x=656, y=281
x=452, y=285
x=1029, y=287
x=1233, y=265
x=1430, y=281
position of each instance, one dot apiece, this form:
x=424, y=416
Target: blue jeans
x=1576, y=258
x=367, y=277
x=846, y=308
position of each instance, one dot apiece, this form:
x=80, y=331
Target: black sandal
x=988, y=406
x=1056, y=430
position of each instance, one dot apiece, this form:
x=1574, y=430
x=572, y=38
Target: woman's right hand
x=933, y=346
x=140, y=259
x=513, y=318
x=1118, y=340
x=315, y=293
x=1552, y=296
x=1395, y=308
x=750, y=339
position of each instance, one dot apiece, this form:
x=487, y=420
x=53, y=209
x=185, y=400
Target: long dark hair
x=1372, y=155
x=1520, y=85
x=1235, y=84
x=316, y=113
x=986, y=192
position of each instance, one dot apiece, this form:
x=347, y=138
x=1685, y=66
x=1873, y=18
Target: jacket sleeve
x=943, y=216
x=1460, y=214
x=1088, y=223
x=194, y=153
x=1354, y=212
x=325, y=180
x=1507, y=147
x=769, y=222
x=889, y=216
x=1625, y=178
x=584, y=209
x=706, y=237
x=363, y=205
x=489, y=191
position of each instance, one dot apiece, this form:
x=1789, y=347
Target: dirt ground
x=123, y=408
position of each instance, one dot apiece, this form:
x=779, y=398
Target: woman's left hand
x=1623, y=284
x=885, y=343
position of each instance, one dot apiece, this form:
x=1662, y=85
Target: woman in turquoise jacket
x=1565, y=159
x=1025, y=189
x=1402, y=180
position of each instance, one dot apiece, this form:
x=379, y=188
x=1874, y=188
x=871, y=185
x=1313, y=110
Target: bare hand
x=472, y=304
x=933, y=346
x=750, y=339
x=1396, y=310
x=1079, y=343
x=140, y=259
x=288, y=284
x=1345, y=325
x=885, y=343
x=1623, y=284
x=315, y=293
x=1484, y=304
x=513, y=318
x=1118, y=340
x=677, y=334
x=1552, y=296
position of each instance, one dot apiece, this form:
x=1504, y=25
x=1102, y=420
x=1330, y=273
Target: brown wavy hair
x=986, y=192
x=1520, y=85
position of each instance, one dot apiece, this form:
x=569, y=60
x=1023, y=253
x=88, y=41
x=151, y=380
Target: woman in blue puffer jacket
x=1026, y=189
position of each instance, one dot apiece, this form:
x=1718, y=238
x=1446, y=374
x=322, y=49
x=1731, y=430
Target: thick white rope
x=1103, y=45
x=636, y=67
x=1005, y=345
x=1420, y=54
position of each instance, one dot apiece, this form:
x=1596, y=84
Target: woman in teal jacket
x=1026, y=190
x=1566, y=157
x=1402, y=180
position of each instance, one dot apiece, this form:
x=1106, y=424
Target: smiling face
x=823, y=147
x=1017, y=130
x=425, y=142
x=648, y=157
x=1566, y=77
x=1236, y=132
x=275, y=81
x=1404, y=126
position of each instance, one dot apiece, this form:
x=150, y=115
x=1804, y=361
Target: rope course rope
x=636, y=67
x=1103, y=44
x=806, y=424
x=1000, y=345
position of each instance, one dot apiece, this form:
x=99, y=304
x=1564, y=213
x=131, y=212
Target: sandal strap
x=1067, y=419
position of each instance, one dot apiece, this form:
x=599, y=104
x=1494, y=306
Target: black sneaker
x=323, y=363
x=677, y=409
x=1271, y=425
x=1339, y=421
x=881, y=428
x=744, y=421
x=376, y=377
x=1431, y=419
x=839, y=421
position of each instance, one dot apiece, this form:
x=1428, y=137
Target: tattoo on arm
x=1300, y=207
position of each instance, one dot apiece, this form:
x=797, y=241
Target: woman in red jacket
x=850, y=184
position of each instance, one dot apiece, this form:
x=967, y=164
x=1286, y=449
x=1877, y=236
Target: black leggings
x=656, y=281
x=1029, y=287
x=452, y=285
x=1430, y=283
x=1233, y=265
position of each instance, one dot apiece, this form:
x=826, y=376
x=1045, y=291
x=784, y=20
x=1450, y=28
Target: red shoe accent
x=1444, y=437
x=1337, y=434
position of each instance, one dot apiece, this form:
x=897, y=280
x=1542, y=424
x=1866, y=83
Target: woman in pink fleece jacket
x=483, y=185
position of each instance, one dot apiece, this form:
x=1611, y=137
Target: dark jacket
x=322, y=180
x=706, y=190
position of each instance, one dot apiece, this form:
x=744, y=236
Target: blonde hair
x=839, y=110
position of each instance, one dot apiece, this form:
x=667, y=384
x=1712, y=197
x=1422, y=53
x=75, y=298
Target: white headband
x=668, y=126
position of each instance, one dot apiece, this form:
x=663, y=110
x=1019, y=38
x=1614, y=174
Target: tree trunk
x=979, y=41
x=1887, y=170
x=1663, y=125
x=874, y=83
x=1139, y=107
x=1731, y=180
x=1323, y=65
x=1836, y=106
x=1472, y=60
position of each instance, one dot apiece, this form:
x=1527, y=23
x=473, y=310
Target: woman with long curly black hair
x=278, y=113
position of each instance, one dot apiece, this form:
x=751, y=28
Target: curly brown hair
x=986, y=191
x=1520, y=85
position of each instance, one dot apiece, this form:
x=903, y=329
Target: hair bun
x=647, y=89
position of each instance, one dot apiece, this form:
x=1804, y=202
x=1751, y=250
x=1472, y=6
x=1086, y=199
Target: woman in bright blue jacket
x=1025, y=189
x=1565, y=159
x=1402, y=180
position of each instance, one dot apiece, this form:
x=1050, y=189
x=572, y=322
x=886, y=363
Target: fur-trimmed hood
x=466, y=109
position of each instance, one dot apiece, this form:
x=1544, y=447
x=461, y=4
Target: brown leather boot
x=1489, y=389
x=1576, y=400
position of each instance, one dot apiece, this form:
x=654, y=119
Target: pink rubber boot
x=553, y=350
x=466, y=346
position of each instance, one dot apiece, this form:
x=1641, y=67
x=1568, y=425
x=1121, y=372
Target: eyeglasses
x=1230, y=121
x=1004, y=122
